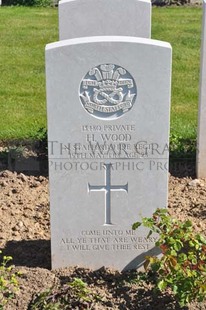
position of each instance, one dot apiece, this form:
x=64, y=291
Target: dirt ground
x=25, y=235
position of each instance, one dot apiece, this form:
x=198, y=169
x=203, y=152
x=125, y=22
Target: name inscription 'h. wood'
x=107, y=188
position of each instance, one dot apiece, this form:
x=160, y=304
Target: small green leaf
x=182, y=257
x=136, y=225
x=175, y=289
x=149, y=234
x=191, y=243
x=178, y=245
x=202, y=239
x=173, y=253
x=188, y=224
x=162, y=285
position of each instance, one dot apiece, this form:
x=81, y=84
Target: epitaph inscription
x=108, y=91
x=109, y=239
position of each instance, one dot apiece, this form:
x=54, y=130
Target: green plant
x=182, y=148
x=45, y=301
x=80, y=289
x=182, y=266
x=69, y=296
x=8, y=281
x=41, y=139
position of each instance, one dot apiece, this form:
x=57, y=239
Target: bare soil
x=25, y=235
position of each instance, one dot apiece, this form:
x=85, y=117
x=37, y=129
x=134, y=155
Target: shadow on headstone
x=29, y=253
x=140, y=259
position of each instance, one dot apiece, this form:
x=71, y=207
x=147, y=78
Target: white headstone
x=108, y=126
x=201, y=140
x=84, y=18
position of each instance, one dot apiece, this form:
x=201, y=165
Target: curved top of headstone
x=96, y=39
x=85, y=18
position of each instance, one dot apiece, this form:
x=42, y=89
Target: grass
x=26, y=31
x=181, y=26
x=24, y=34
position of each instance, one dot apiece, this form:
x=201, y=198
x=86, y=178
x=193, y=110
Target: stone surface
x=108, y=125
x=195, y=182
x=201, y=140
x=84, y=18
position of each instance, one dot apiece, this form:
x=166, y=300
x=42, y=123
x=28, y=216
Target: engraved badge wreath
x=108, y=91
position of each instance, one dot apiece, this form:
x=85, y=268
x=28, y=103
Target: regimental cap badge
x=107, y=91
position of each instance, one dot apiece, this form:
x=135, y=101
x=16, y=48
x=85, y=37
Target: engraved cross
x=107, y=188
